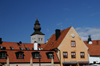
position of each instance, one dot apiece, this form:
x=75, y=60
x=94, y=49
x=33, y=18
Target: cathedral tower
x=37, y=35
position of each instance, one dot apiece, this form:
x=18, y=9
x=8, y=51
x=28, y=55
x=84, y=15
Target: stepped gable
x=94, y=48
x=53, y=43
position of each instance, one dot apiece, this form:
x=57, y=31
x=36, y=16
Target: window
x=11, y=48
x=35, y=55
x=39, y=39
x=73, y=54
x=65, y=55
x=21, y=48
x=50, y=55
x=27, y=49
x=20, y=55
x=2, y=48
x=3, y=55
x=73, y=43
x=82, y=55
x=32, y=48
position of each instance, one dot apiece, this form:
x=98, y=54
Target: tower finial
x=36, y=16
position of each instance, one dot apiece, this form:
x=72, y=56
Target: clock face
x=73, y=35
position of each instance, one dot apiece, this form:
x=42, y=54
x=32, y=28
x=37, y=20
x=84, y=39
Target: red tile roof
x=94, y=48
x=17, y=47
x=27, y=55
x=53, y=43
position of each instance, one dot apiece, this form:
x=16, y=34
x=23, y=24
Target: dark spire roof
x=89, y=39
x=37, y=28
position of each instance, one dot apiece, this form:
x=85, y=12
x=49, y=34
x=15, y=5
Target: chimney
x=35, y=45
x=97, y=42
x=57, y=33
x=0, y=40
x=89, y=40
x=20, y=43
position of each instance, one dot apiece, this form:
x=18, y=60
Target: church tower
x=37, y=35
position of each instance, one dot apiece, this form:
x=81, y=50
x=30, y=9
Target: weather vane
x=36, y=16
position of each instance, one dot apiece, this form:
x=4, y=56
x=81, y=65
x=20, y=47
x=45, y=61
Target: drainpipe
x=59, y=55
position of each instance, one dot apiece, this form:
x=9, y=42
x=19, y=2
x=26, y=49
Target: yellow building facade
x=72, y=50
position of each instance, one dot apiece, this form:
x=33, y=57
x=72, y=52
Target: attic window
x=21, y=48
x=3, y=55
x=32, y=48
x=20, y=55
x=49, y=55
x=11, y=48
x=27, y=49
x=2, y=48
x=35, y=55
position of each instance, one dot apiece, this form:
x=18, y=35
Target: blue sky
x=17, y=18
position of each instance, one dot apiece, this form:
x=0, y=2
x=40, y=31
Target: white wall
x=34, y=64
x=93, y=59
x=36, y=38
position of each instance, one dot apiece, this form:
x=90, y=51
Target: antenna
x=61, y=27
x=71, y=24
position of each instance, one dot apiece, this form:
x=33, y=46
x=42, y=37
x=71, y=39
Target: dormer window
x=35, y=55
x=20, y=55
x=21, y=48
x=3, y=55
x=2, y=48
x=27, y=49
x=50, y=55
x=11, y=48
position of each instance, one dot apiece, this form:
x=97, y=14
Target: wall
x=36, y=38
x=93, y=59
x=34, y=64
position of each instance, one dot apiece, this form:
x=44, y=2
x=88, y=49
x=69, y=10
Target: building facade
x=69, y=47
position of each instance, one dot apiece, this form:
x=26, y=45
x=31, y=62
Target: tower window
x=39, y=39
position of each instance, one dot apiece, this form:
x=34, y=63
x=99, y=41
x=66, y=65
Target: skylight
x=11, y=48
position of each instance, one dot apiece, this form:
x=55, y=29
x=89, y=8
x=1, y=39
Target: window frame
x=48, y=55
x=72, y=55
x=72, y=44
x=66, y=55
x=35, y=56
x=81, y=55
x=1, y=55
x=21, y=48
x=27, y=49
x=18, y=55
x=11, y=48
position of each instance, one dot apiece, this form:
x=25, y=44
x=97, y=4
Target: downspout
x=60, y=56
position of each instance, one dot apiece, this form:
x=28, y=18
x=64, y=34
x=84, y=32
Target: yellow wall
x=65, y=46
